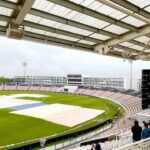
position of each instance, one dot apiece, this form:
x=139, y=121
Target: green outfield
x=17, y=128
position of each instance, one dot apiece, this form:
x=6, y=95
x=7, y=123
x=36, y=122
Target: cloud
x=51, y=60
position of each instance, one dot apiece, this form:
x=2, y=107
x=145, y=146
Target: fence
x=76, y=137
x=141, y=145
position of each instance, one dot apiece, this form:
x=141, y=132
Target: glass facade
x=73, y=79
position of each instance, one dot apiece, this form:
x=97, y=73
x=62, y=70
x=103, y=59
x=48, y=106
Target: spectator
x=93, y=147
x=136, y=130
x=149, y=123
x=96, y=146
x=144, y=123
x=145, y=132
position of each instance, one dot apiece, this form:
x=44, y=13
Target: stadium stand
x=54, y=89
x=10, y=86
x=141, y=145
x=22, y=87
x=130, y=102
x=1, y=86
x=45, y=88
x=114, y=28
x=122, y=144
x=34, y=87
x=116, y=139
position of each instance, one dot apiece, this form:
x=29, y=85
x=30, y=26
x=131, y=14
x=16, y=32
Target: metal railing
x=141, y=145
x=62, y=144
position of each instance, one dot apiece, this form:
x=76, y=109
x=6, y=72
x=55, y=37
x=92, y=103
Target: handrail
x=140, y=145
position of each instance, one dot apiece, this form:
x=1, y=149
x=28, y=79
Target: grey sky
x=51, y=60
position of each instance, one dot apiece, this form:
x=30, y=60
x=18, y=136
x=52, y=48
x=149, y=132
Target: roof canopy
x=118, y=28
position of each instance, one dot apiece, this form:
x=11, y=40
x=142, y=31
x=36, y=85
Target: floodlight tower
x=24, y=64
x=131, y=62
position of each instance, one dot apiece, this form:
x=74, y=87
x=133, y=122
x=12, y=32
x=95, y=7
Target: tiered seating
x=131, y=103
x=98, y=93
x=122, y=138
x=115, y=96
x=1, y=87
x=123, y=141
x=45, y=88
x=107, y=94
x=93, y=92
x=124, y=98
x=10, y=87
x=141, y=145
x=82, y=91
x=137, y=94
x=54, y=89
x=34, y=87
x=87, y=92
x=79, y=91
x=23, y=87
x=127, y=91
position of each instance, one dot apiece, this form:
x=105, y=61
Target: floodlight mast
x=24, y=69
x=131, y=62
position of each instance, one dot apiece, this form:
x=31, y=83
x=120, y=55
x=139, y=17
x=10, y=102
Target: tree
x=3, y=80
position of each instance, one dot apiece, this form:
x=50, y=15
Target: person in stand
x=96, y=146
x=144, y=123
x=136, y=130
x=93, y=147
x=146, y=132
x=149, y=123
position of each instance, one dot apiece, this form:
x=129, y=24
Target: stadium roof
x=118, y=28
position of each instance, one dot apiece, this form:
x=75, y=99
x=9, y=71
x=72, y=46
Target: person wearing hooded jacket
x=136, y=130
